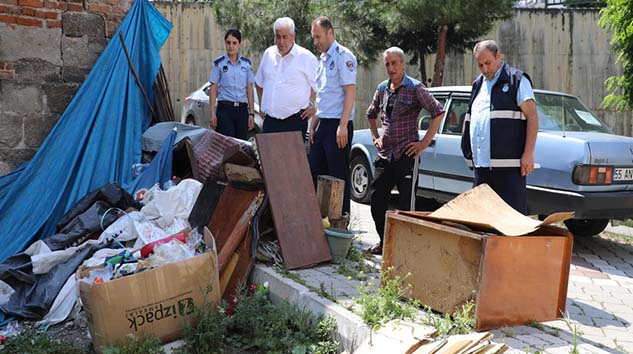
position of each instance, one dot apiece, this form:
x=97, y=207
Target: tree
x=367, y=27
x=430, y=26
x=255, y=18
x=617, y=20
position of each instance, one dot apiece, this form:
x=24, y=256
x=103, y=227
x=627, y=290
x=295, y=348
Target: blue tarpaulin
x=158, y=171
x=95, y=141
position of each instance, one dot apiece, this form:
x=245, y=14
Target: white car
x=196, y=110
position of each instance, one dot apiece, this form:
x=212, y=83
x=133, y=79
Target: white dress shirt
x=286, y=81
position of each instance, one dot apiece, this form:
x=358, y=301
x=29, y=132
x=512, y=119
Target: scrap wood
x=483, y=208
x=242, y=269
x=236, y=155
x=292, y=199
x=242, y=174
x=229, y=223
x=456, y=344
x=226, y=274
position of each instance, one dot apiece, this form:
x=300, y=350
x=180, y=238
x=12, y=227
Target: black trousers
x=387, y=175
x=232, y=121
x=326, y=158
x=290, y=124
x=508, y=183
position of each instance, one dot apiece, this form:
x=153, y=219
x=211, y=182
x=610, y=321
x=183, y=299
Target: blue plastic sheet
x=158, y=171
x=95, y=141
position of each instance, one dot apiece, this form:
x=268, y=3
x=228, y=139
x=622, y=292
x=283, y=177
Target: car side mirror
x=424, y=123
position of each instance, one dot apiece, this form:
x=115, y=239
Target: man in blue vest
x=501, y=126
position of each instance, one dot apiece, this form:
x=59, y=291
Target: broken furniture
x=511, y=280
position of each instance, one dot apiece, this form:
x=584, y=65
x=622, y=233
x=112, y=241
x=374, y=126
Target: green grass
x=30, y=342
x=460, y=322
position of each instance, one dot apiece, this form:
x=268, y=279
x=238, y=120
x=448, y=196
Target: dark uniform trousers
x=232, y=119
x=326, y=158
x=507, y=183
x=289, y=124
x=387, y=175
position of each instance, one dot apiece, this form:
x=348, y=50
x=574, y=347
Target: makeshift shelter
x=95, y=141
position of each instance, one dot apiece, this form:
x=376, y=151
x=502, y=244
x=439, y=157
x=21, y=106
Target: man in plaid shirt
x=398, y=102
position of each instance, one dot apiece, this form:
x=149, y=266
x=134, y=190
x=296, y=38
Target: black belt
x=232, y=104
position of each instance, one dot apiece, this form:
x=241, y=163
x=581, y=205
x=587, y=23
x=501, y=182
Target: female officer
x=231, y=83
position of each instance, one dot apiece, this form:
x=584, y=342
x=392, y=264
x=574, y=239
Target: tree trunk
x=422, y=66
x=438, y=69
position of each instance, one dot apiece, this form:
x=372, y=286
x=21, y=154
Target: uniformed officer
x=232, y=84
x=332, y=129
x=501, y=126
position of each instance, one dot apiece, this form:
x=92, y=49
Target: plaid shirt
x=400, y=128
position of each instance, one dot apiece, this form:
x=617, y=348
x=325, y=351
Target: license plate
x=623, y=174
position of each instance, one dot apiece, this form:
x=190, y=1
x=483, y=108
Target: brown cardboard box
x=157, y=302
x=513, y=276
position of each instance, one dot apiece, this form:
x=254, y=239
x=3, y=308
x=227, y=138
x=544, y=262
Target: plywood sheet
x=292, y=199
x=231, y=218
x=522, y=280
x=443, y=261
x=482, y=207
x=242, y=269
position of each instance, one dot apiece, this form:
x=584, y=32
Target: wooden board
x=231, y=218
x=522, y=280
x=292, y=199
x=242, y=268
x=330, y=191
x=443, y=260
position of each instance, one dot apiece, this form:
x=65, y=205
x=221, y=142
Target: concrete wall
x=47, y=49
x=188, y=54
x=561, y=50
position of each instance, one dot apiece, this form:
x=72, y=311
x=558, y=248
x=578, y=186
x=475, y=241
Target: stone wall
x=47, y=48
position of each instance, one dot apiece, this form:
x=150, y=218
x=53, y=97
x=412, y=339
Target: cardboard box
x=511, y=280
x=157, y=302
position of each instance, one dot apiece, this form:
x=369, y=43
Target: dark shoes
x=375, y=249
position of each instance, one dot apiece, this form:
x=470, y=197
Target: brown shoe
x=375, y=249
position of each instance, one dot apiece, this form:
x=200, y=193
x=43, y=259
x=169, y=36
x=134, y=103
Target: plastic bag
x=170, y=252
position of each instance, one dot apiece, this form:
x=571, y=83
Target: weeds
x=575, y=333
x=385, y=305
x=133, y=345
x=508, y=332
x=31, y=342
x=253, y=323
x=461, y=322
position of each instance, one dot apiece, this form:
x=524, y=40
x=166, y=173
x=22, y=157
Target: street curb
x=351, y=329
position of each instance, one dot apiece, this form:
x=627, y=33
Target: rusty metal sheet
x=231, y=218
x=523, y=279
x=292, y=199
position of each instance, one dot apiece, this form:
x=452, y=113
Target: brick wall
x=47, y=48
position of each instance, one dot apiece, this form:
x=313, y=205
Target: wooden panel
x=330, y=191
x=231, y=218
x=522, y=280
x=242, y=268
x=443, y=260
x=292, y=199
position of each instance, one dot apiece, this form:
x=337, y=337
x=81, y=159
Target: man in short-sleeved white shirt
x=332, y=128
x=285, y=82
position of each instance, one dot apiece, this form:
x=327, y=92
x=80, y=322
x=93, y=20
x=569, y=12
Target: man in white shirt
x=286, y=82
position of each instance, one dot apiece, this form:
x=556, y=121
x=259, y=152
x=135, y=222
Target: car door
x=425, y=181
x=445, y=164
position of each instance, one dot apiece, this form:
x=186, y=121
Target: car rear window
x=559, y=112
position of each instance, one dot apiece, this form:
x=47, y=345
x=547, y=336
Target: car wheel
x=360, y=177
x=586, y=227
x=190, y=120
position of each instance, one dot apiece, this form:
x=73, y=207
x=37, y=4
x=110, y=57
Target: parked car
x=583, y=166
x=196, y=111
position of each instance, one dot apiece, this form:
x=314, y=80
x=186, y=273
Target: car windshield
x=559, y=112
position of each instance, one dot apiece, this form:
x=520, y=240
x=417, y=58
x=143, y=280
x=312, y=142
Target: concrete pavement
x=599, y=302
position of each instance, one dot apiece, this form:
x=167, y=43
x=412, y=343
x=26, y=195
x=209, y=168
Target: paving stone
x=513, y=343
x=602, y=282
x=566, y=349
x=584, y=331
x=605, y=324
x=532, y=341
x=549, y=339
x=618, y=309
x=579, y=279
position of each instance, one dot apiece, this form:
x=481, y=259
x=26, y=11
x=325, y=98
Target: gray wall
x=46, y=51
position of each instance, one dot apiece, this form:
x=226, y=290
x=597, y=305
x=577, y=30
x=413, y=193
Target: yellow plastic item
x=326, y=223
